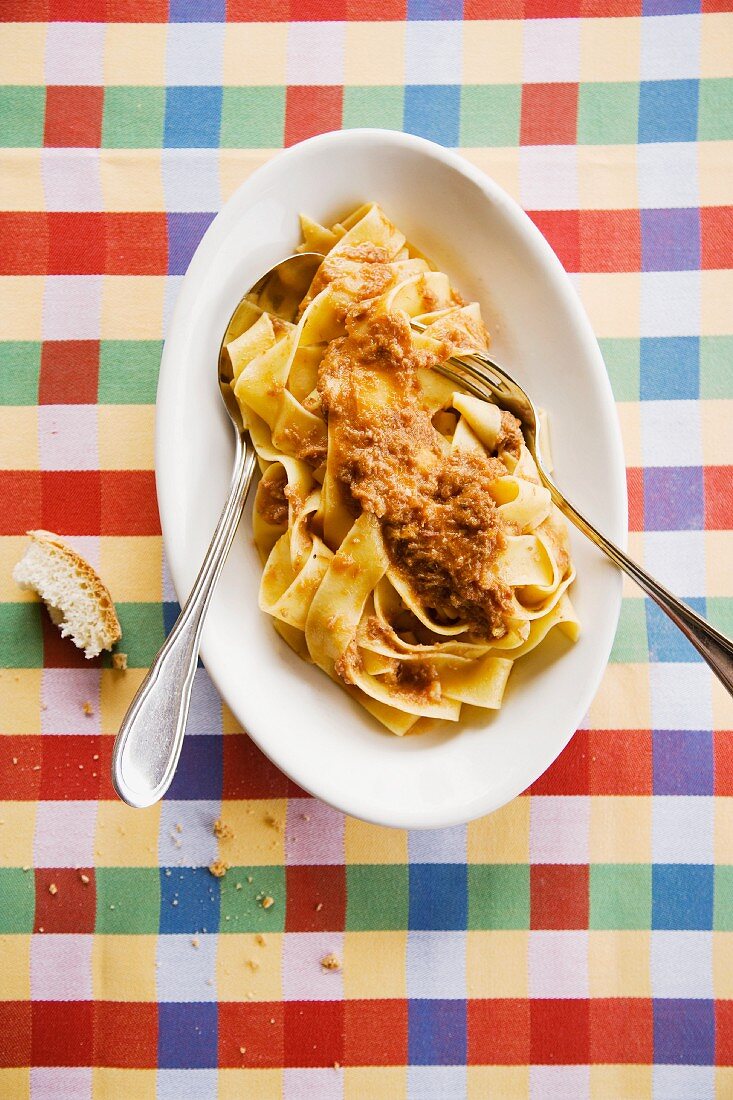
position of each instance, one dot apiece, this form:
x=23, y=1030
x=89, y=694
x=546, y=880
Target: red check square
x=72, y=501
x=621, y=1030
x=558, y=895
x=316, y=898
x=256, y=1026
x=70, y=907
x=549, y=114
x=314, y=1033
x=126, y=1034
x=498, y=1032
x=15, y=1028
x=610, y=240
x=20, y=767
x=311, y=110
x=23, y=243
x=76, y=244
x=69, y=372
x=560, y=1032
x=562, y=229
x=570, y=772
x=62, y=1033
x=20, y=492
x=718, y=481
x=620, y=762
x=375, y=1033
x=73, y=115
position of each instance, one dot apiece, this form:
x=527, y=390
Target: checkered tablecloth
x=579, y=943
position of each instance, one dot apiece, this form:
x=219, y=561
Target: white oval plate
x=493, y=253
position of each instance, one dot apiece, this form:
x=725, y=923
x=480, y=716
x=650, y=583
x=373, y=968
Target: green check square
x=20, y=365
x=241, y=909
x=253, y=118
x=22, y=116
x=620, y=895
x=133, y=118
x=716, y=366
x=21, y=635
x=723, y=899
x=128, y=900
x=18, y=900
x=631, y=645
x=377, y=897
x=128, y=371
x=143, y=632
x=490, y=114
x=715, y=110
x=498, y=895
x=720, y=613
x=608, y=114
x=369, y=106
x=622, y=358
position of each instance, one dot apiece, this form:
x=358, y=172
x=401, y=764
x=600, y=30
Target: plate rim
x=189, y=291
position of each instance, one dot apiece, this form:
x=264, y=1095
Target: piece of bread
x=77, y=601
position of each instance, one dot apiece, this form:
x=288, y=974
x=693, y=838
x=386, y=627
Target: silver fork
x=485, y=379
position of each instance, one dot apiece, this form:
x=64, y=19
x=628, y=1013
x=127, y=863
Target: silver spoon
x=149, y=740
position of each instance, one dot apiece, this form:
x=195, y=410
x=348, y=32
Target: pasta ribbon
x=409, y=548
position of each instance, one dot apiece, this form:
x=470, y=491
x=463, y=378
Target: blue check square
x=189, y=899
x=434, y=9
x=683, y=762
x=438, y=895
x=666, y=641
x=185, y=230
x=684, y=1032
x=674, y=498
x=670, y=240
x=198, y=11
x=668, y=110
x=200, y=770
x=669, y=368
x=433, y=111
x=682, y=896
x=187, y=1035
x=192, y=117
x=437, y=1032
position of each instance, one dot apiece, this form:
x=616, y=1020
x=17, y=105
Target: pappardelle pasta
x=409, y=549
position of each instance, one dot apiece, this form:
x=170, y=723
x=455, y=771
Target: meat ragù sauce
x=440, y=524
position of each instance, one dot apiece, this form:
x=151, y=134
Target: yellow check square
x=375, y=964
x=123, y=968
x=126, y=837
x=247, y=970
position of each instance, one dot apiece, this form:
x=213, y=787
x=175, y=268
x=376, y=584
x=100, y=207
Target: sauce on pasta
x=408, y=546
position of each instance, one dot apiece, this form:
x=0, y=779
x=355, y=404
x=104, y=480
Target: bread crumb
x=15, y=759
x=242, y=1050
x=252, y=964
x=306, y=817
x=96, y=756
x=174, y=902
x=119, y=661
x=222, y=830
x=319, y=907
x=267, y=901
x=260, y=939
x=41, y=929
x=273, y=822
x=87, y=708
x=194, y=942
x=25, y=868
x=84, y=878
x=238, y=886
x=218, y=868
x=331, y=962
x=53, y=888
x=250, y=879
x=179, y=827
x=337, y=1065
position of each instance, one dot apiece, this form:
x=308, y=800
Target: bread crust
x=103, y=599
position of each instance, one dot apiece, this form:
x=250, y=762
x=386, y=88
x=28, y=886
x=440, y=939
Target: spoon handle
x=151, y=735
x=714, y=647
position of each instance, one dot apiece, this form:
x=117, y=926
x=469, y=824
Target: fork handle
x=714, y=647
